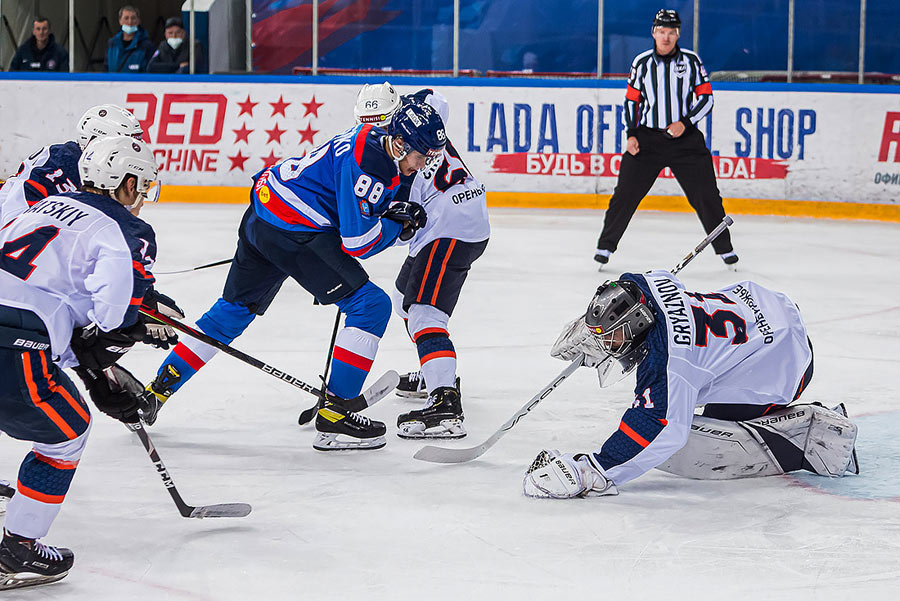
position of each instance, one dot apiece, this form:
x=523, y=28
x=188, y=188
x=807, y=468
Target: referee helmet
x=667, y=17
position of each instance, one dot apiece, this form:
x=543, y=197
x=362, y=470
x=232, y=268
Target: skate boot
x=160, y=390
x=441, y=418
x=6, y=493
x=28, y=562
x=412, y=386
x=340, y=429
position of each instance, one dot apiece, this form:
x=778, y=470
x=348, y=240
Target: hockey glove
x=111, y=393
x=155, y=333
x=96, y=349
x=553, y=475
x=411, y=215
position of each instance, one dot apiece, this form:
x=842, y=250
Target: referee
x=668, y=93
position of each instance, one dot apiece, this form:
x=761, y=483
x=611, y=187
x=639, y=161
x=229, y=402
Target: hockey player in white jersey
x=74, y=268
x=741, y=353
x=430, y=280
x=54, y=169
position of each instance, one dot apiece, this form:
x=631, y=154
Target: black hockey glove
x=111, y=393
x=409, y=214
x=155, y=333
x=96, y=349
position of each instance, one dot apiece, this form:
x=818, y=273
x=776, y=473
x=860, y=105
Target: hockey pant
x=798, y=437
x=367, y=311
x=39, y=403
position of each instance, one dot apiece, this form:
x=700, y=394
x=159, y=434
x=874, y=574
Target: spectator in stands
x=130, y=49
x=40, y=52
x=173, y=55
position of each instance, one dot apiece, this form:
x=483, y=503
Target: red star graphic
x=280, y=106
x=275, y=134
x=270, y=160
x=307, y=135
x=237, y=161
x=246, y=106
x=312, y=107
x=242, y=134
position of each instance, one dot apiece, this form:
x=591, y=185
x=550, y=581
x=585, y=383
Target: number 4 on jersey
x=17, y=256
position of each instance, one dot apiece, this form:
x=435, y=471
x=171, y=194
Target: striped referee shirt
x=663, y=90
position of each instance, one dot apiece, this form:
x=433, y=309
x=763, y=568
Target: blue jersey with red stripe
x=343, y=186
x=51, y=170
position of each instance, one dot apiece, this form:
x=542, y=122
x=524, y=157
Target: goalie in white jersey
x=74, y=269
x=742, y=353
x=440, y=256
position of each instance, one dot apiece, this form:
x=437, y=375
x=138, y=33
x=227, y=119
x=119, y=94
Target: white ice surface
x=379, y=525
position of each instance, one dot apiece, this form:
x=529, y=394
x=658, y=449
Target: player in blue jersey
x=74, y=268
x=54, y=169
x=740, y=353
x=310, y=219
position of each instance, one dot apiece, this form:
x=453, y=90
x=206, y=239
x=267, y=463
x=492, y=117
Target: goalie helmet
x=376, y=104
x=619, y=318
x=421, y=129
x=107, y=162
x=105, y=120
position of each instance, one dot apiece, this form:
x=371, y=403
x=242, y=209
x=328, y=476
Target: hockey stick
x=444, y=455
x=221, y=510
x=307, y=414
x=712, y=236
x=216, y=264
x=372, y=395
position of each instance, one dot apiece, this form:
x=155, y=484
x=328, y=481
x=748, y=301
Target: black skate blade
x=10, y=581
x=223, y=510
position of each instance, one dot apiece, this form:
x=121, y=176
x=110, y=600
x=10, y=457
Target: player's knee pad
x=225, y=320
x=426, y=317
x=368, y=309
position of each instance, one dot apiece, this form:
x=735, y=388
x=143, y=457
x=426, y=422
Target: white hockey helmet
x=106, y=120
x=106, y=163
x=376, y=104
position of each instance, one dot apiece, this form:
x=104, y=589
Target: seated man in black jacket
x=40, y=52
x=173, y=55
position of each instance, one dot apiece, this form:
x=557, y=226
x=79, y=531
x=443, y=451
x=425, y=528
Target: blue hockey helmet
x=421, y=129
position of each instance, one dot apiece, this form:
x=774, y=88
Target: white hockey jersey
x=51, y=170
x=454, y=200
x=744, y=344
x=74, y=259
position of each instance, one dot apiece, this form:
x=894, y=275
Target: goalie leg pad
x=721, y=450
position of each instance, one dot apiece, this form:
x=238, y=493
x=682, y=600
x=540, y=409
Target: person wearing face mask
x=130, y=49
x=173, y=54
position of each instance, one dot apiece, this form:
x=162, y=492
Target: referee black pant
x=692, y=166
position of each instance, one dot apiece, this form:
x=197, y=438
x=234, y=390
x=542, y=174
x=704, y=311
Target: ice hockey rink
x=381, y=525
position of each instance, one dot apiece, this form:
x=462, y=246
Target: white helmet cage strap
x=376, y=104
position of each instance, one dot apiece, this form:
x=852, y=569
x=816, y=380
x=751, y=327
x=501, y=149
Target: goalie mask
x=618, y=320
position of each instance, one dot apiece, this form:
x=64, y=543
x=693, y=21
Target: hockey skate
x=160, y=390
x=412, y=386
x=340, y=429
x=28, y=562
x=441, y=418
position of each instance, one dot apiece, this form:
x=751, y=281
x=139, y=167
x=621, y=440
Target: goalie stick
x=372, y=395
x=221, y=510
x=444, y=455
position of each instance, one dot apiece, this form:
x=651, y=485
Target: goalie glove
x=411, y=215
x=565, y=476
x=155, y=333
x=576, y=339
